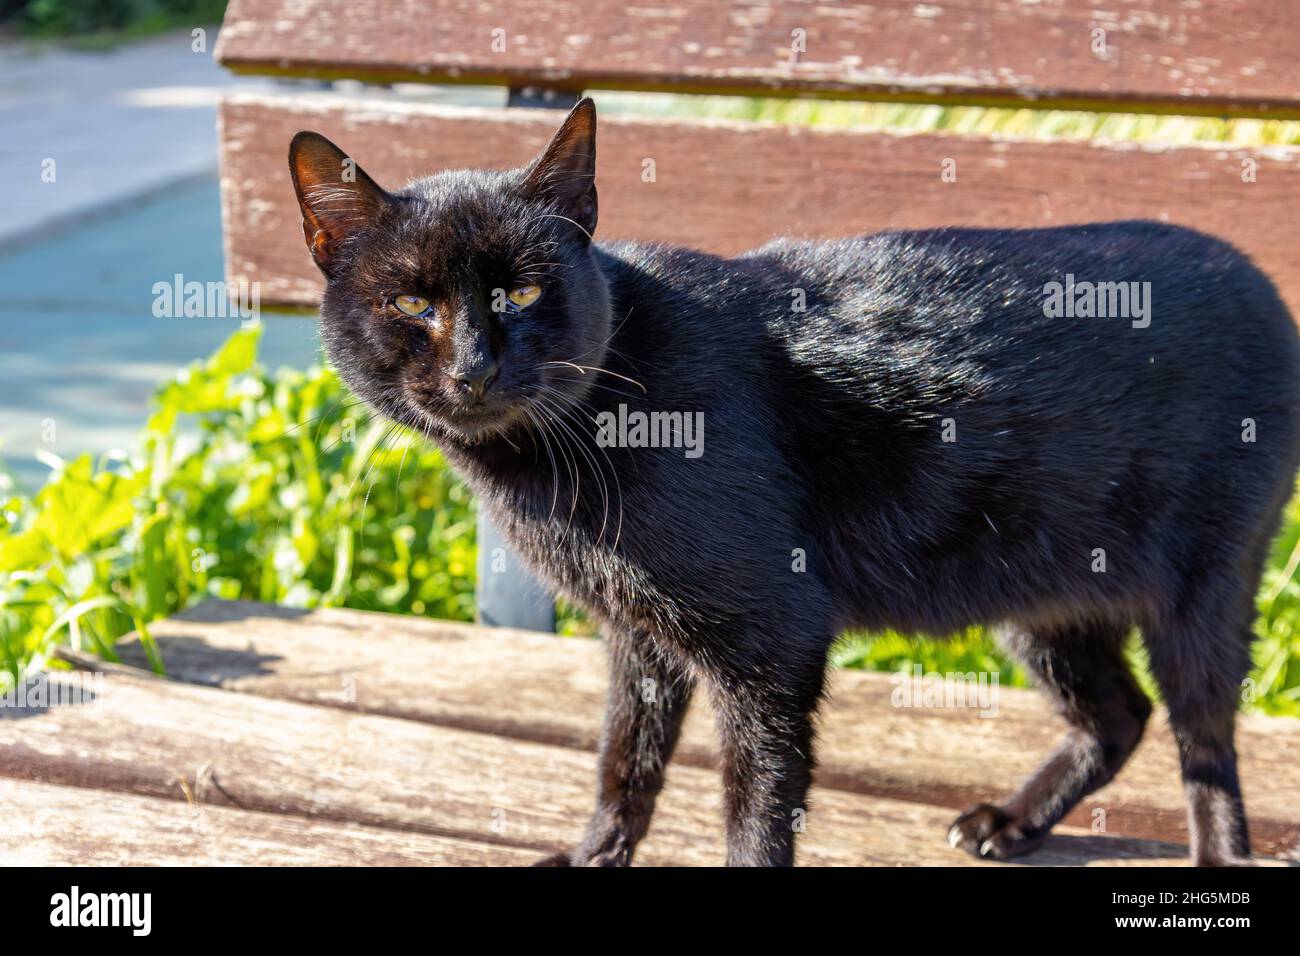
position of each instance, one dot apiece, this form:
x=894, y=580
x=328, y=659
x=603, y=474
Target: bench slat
x=158, y=738
x=1231, y=57
x=796, y=181
x=542, y=688
x=50, y=825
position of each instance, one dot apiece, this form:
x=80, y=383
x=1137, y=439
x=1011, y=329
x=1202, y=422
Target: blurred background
x=149, y=462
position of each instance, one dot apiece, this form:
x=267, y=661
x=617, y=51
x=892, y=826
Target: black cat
x=913, y=430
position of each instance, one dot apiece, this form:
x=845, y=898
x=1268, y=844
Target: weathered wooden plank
x=541, y=688
x=158, y=738
x=730, y=186
x=49, y=825
x=1232, y=56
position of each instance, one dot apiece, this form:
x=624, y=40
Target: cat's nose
x=475, y=383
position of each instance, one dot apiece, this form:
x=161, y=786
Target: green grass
x=245, y=484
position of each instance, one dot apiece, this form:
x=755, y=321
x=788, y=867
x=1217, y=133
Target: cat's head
x=453, y=304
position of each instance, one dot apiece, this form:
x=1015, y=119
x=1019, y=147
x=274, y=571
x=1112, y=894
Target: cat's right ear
x=335, y=195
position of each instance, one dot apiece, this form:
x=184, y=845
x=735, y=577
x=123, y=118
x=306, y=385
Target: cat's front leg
x=643, y=716
x=765, y=712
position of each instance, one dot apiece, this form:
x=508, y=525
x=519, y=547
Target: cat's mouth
x=470, y=424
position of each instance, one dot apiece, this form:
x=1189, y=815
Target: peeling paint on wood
x=728, y=186
x=1236, y=57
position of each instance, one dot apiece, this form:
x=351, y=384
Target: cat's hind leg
x=1084, y=671
x=1200, y=655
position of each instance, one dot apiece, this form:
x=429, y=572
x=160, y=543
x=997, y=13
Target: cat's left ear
x=565, y=173
x=336, y=196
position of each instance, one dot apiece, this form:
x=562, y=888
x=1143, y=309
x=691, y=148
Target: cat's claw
x=987, y=832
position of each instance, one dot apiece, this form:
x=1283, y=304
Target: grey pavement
x=122, y=122
x=116, y=124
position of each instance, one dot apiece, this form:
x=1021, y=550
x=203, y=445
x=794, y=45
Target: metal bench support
x=507, y=594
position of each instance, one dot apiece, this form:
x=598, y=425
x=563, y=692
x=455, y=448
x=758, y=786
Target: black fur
x=824, y=431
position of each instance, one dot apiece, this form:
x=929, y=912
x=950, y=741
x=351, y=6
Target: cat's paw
x=617, y=855
x=987, y=832
x=555, y=859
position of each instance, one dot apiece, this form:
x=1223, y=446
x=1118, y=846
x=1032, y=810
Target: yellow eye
x=525, y=295
x=411, y=305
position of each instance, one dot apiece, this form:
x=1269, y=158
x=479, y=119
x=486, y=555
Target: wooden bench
x=340, y=736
